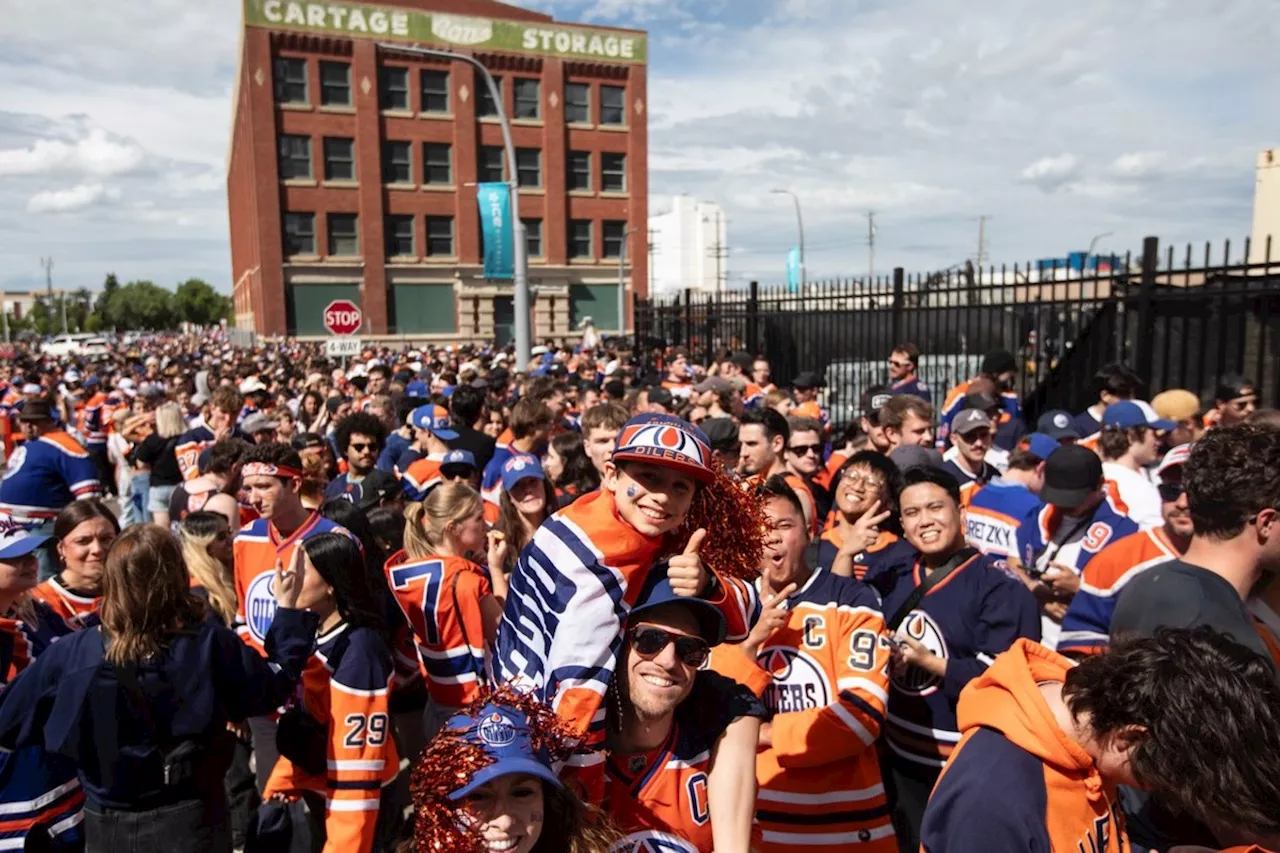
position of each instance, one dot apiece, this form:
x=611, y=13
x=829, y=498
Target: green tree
x=100, y=305
x=141, y=305
x=198, y=303
x=41, y=316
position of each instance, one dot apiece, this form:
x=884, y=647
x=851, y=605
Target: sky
x=1061, y=122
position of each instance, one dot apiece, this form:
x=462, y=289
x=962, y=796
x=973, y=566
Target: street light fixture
x=800, y=225
x=1094, y=242
x=519, y=254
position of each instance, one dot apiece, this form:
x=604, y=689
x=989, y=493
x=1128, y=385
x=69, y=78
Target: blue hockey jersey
x=994, y=516
x=973, y=615
x=44, y=475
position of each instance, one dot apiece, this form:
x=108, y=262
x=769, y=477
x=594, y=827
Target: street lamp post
x=622, y=281
x=1092, y=243
x=800, y=225
x=519, y=254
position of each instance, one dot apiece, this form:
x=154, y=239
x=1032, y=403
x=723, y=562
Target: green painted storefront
x=597, y=301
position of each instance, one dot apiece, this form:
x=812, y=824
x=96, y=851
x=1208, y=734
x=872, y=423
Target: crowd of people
x=435, y=600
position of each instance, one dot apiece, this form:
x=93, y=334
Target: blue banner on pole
x=498, y=230
x=793, y=270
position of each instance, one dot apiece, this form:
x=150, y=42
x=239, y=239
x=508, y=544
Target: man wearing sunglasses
x=359, y=438
x=820, y=786
x=670, y=724
x=803, y=458
x=902, y=372
x=1086, y=629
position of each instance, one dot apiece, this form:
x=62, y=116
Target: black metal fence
x=1181, y=319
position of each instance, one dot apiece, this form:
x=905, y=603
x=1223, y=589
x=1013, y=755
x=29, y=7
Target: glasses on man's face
x=1170, y=492
x=893, y=362
x=806, y=449
x=857, y=478
x=360, y=448
x=649, y=641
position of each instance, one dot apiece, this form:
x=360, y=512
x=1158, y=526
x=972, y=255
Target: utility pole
x=720, y=252
x=47, y=263
x=62, y=297
x=622, y=279
x=653, y=250
x=871, y=245
x=982, y=241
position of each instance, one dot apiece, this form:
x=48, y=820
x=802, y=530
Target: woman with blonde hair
x=452, y=604
x=207, y=551
x=141, y=702
x=157, y=452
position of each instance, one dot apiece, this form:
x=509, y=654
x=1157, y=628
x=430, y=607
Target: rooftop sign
x=363, y=20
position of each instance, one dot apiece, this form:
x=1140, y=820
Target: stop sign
x=342, y=317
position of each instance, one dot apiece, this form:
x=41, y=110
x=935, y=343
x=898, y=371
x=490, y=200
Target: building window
x=335, y=84
x=295, y=157
x=528, y=99
x=440, y=236
x=437, y=163
x=393, y=88
x=580, y=238
x=577, y=103
x=484, y=101
x=532, y=237
x=400, y=237
x=397, y=163
x=299, y=234
x=339, y=159
x=579, y=171
x=435, y=91
x=489, y=167
x=528, y=167
x=291, y=80
x=344, y=234
x=613, y=173
x=614, y=235
x=613, y=105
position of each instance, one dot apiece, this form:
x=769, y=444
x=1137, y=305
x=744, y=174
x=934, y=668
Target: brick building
x=352, y=167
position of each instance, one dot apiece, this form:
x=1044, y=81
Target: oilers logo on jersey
x=799, y=682
x=913, y=680
x=260, y=605
x=652, y=841
x=16, y=458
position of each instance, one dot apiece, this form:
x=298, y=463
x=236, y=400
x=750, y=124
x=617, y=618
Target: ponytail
x=427, y=523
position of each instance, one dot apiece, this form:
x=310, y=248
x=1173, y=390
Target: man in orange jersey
x=682, y=742
x=1087, y=626
x=806, y=385
x=820, y=787
x=803, y=458
x=1188, y=714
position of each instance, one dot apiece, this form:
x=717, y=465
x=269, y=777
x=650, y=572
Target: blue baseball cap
x=503, y=733
x=458, y=459
x=16, y=542
x=417, y=389
x=1057, y=424
x=522, y=466
x=447, y=391
x=434, y=419
x=1039, y=444
x=1133, y=413
x=657, y=591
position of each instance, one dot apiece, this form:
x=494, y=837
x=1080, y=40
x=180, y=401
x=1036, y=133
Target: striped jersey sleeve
x=1086, y=628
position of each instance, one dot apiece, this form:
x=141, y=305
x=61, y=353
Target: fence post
x=753, y=310
x=711, y=315
x=688, y=319
x=636, y=321
x=1146, y=319
x=899, y=287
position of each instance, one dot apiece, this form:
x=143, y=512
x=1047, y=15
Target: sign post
x=342, y=319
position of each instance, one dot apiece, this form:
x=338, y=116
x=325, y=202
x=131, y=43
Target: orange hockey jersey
x=441, y=596
x=422, y=476
x=75, y=610
x=820, y=787
x=659, y=798
x=346, y=687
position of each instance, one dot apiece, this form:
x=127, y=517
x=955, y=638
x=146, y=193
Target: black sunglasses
x=649, y=642
x=803, y=449
x=1170, y=492
x=361, y=448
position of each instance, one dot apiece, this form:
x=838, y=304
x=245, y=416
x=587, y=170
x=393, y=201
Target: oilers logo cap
x=435, y=420
x=666, y=440
x=503, y=733
x=522, y=466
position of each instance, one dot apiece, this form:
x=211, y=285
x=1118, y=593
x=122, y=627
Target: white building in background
x=1266, y=207
x=689, y=245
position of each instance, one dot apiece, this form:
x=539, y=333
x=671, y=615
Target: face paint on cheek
x=631, y=491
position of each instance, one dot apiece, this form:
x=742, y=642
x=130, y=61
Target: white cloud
x=1050, y=173
x=72, y=199
x=96, y=154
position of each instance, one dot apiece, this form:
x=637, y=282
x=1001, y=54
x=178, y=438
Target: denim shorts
x=158, y=498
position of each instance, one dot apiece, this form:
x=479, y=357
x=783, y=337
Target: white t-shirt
x=1139, y=494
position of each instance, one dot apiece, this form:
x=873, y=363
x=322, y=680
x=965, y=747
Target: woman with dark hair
x=83, y=531
x=502, y=747
x=570, y=468
x=527, y=500
x=312, y=415
x=141, y=702
x=336, y=745
x=865, y=505
x=387, y=525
